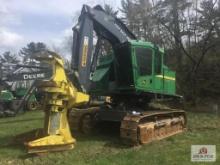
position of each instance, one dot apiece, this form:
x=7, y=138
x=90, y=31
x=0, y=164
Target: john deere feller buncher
x=129, y=71
x=116, y=65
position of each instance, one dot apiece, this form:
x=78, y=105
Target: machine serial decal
x=85, y=51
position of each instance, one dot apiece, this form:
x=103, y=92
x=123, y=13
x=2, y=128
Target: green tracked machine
x=10, y=102
x=17, y=95
x=131, y=75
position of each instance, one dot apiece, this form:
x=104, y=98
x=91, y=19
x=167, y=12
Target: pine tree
x=32, y=48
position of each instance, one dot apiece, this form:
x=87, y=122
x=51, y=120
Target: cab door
x=144, y=65
x=158, y=75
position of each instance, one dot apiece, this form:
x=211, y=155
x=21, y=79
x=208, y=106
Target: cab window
x=144, y=60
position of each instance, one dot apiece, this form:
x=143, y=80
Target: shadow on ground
x=108, y=134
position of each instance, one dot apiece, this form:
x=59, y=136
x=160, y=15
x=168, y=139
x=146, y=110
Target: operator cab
x=134, y=66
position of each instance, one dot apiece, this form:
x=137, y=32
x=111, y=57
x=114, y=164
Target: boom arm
x=107, y=27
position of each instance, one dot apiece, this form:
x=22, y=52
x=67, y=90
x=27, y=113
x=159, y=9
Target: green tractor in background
x=17, y=94
x=12, y=102
x=32, y=103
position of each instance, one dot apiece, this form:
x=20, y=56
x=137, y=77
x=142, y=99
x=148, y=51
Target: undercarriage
x=136, y=127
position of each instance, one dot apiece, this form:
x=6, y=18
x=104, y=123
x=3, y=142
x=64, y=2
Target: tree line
x=24, y=55
x=189, y=30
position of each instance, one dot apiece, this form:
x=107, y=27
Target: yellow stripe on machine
x=85, y=51
x=166, y=77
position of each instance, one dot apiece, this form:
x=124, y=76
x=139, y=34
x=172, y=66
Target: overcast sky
x=49, y=21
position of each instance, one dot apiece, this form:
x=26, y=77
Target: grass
x=105, y=149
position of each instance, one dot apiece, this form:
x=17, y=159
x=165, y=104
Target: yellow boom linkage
x=59, y=96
